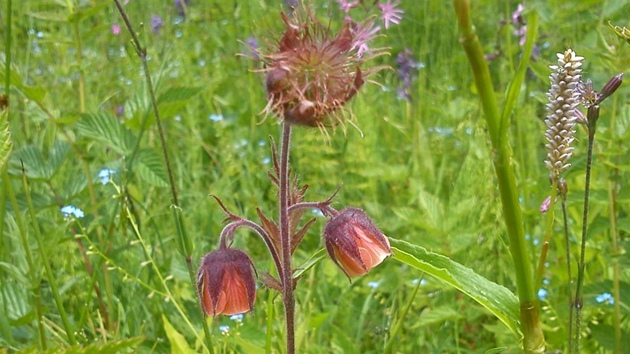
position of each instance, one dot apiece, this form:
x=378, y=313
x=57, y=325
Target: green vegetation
x=92, y=259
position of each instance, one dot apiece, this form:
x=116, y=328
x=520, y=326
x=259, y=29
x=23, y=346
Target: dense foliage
x=87, y=209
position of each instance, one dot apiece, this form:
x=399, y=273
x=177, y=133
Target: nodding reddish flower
x=354, y=243
x=313, y=74
x=225, y=282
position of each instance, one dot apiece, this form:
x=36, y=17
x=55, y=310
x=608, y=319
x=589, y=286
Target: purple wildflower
x=362, y=35
x=116, y=29
x=346, y=5
x=406, y=68
x=517, y=15
x=156, y=23
x=389, y=13
x=252, y=48
x=181, y=6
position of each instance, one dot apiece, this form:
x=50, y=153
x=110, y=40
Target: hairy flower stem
x=578, y=303
x=567, y=246
x=184, y=244
x=285, y=238
x=533, y=338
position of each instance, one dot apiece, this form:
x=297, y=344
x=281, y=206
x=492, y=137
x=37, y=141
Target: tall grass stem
x=533, y=339
x=184, y=243
x=48, y=270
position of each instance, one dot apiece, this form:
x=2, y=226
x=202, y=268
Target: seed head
x=564, y=98
x=313, y=74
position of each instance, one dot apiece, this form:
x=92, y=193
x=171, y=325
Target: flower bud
x=611, y=86
x=354, y=243
x=225, y=282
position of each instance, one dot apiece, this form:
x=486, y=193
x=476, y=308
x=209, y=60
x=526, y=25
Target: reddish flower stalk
x=309, y=79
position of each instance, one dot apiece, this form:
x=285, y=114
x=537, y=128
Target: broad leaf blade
x=177, y=94
x=496, y=298
x=106, y=128
x=178, y=342
x=149, y=167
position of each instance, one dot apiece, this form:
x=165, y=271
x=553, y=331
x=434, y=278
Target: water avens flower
x=313, y=74
x=564, y=98
x=354, y=243
x=225, y=282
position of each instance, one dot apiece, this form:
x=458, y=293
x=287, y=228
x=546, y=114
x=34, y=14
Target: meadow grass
x=421, y=168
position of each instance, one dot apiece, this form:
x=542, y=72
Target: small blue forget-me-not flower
x=105, y=175
x=605, y=298
x=70, y=210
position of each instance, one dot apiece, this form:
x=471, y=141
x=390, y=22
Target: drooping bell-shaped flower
x=354, y=243
x=313, y=73
x=225, y=282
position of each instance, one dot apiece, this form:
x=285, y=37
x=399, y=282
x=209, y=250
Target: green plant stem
x=580, y=277
x=285, y=238
x=393, y=336
x=533, y=339
x=49, y=273
x=616, y=252
x=77, y=43
x=612, y=197
x=567, y=246
x=184, y=244
x=548, y=233
x=8, y=188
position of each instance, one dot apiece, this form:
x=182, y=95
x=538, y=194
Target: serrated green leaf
x=178, y=342
x=5, y=139
x=176, y=94
x=34, y=165
x=496, y=298
x=105, y=128
x=57, y=155
x=149, y=167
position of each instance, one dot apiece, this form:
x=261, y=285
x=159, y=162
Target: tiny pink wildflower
x=116, y=29
x=346, y=5
x=390, y=13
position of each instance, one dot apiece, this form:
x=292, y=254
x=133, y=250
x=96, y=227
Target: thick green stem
x=533, y=339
